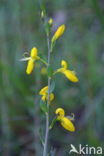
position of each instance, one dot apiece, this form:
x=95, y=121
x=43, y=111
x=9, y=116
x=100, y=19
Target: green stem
x=55, y=72
x=43, y=61
x=47, y=116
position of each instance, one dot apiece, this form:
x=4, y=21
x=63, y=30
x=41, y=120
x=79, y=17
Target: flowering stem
x=55, y=72
x=47, y=116
x=43, y=61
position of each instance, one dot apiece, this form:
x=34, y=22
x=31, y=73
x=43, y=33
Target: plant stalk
x=47, y=116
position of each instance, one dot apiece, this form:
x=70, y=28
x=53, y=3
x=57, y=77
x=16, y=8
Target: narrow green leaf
x=43, y=8
x=53, y=122
x=43, y=106
x=47, y=27
x=53, y=45
x=99, y=11
x=49, y=71
x=41, y=136
x=52, y=87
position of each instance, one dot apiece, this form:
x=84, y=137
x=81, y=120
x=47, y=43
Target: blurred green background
x=82, y=46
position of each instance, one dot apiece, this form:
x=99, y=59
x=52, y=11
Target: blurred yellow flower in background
x=44, y=93
x=65, y=122
x=43, y=70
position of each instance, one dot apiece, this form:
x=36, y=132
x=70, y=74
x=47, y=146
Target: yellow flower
x=43, y=71
x=31, y=60
x=68, y=73
x=33, y=57
x=65, y=122
x=51, y=98
x=58, y=33
x=50, y=21
x=44, y=93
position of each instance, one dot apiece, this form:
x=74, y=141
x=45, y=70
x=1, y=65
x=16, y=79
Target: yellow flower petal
x=51, y=98
x=44, y=97
x=58, y=33
x=60, y=112
x=67, y=124
x=30, y=66
x=64, y=64
x=34, y=52
x=70, y=75
x=43, y=90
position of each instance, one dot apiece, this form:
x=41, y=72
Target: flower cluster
x=70, y=75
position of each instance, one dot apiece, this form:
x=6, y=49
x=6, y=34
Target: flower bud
x=42, y=15
x=58, y=33
x=50, y=22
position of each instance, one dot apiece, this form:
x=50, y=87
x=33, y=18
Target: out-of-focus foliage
x=81, y=46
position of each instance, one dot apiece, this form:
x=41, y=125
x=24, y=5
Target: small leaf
x=53, y=45
x=43, y=8
x=52, y=87
x=47, y=26
x=41, y=136
x=43, y=106
x=53, y=122
x=49, y=70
